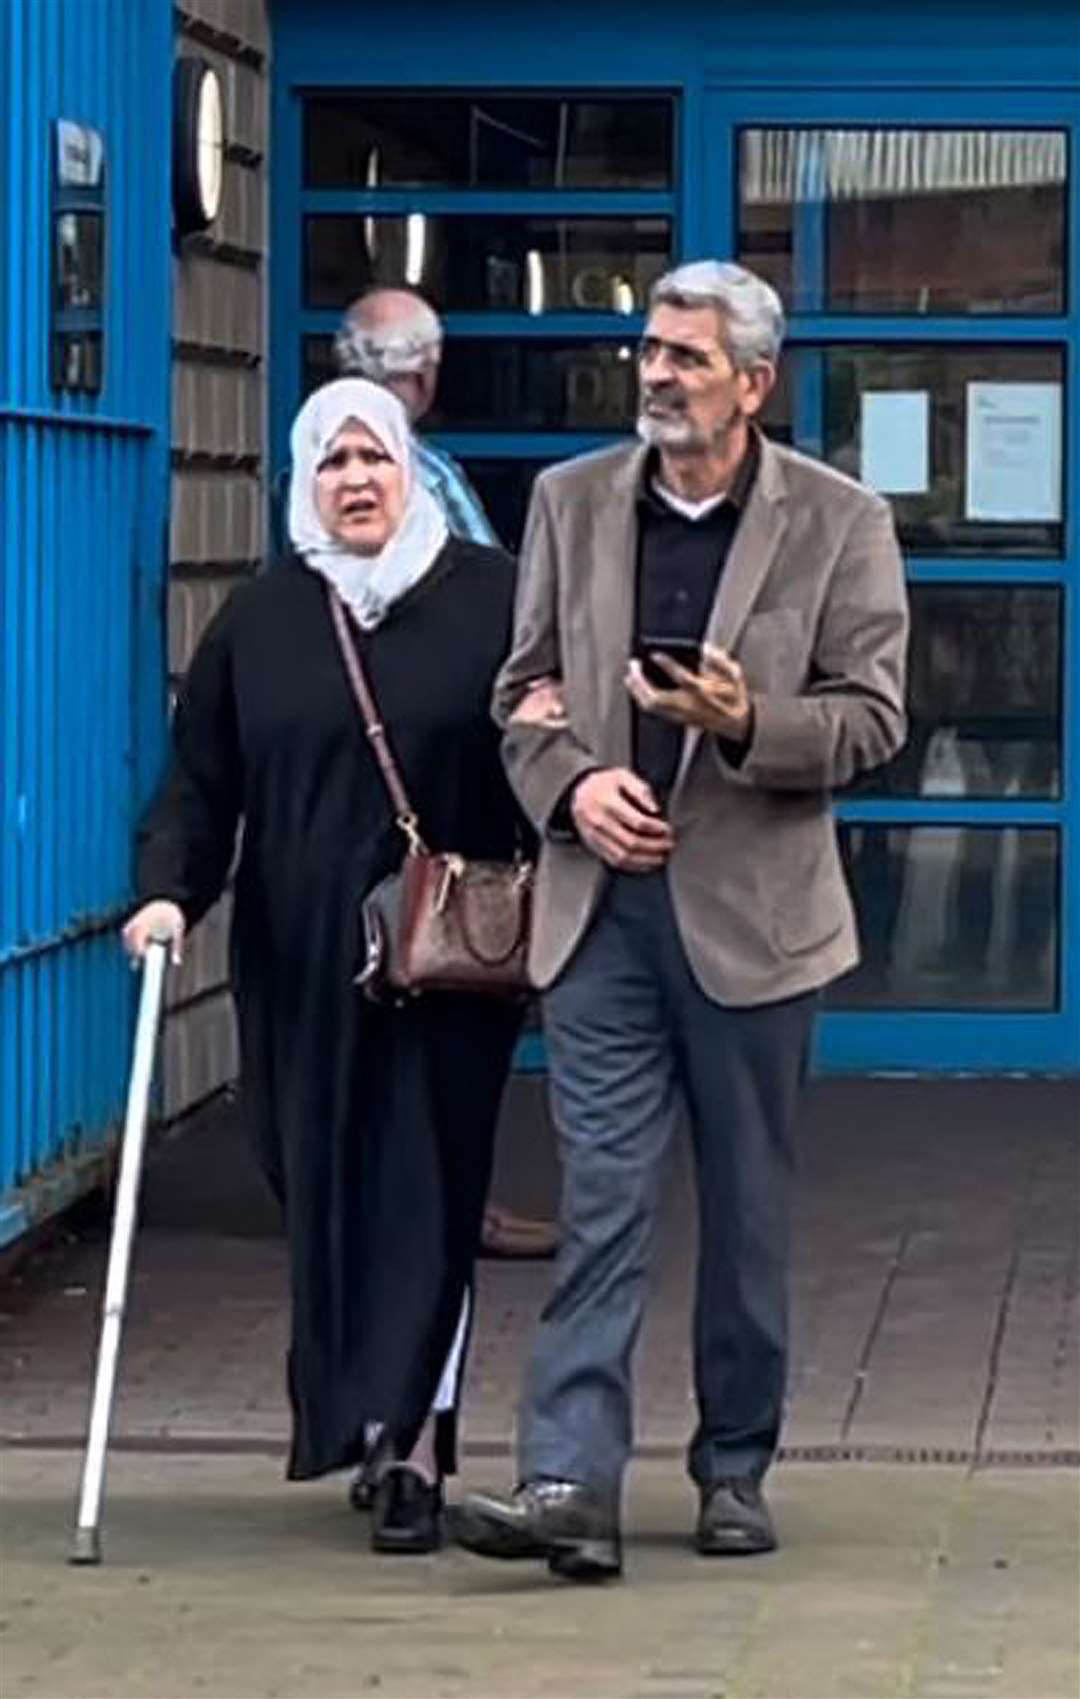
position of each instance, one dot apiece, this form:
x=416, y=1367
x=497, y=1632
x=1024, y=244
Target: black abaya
x=374, y=1126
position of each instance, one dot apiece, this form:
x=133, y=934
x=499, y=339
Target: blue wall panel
x=912, y=43
x=83, y=491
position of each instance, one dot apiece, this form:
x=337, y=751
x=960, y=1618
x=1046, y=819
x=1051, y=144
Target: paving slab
x=221, y=1581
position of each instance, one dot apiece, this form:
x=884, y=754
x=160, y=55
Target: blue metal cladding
x=83, y=492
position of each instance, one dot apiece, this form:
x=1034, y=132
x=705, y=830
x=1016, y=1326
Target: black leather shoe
x=406, y=1511
x=734, y=1519
x=562, y=1521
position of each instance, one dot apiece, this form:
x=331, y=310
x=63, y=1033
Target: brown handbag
x=443, y=922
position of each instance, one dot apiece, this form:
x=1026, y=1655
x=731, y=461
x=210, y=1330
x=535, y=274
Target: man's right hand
x=618, y=818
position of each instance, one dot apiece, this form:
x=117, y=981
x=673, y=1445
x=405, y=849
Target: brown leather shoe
x=734, y=1520
x=572, y=1527
x=516, y=1238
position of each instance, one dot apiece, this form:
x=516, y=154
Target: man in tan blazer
x=690, y=902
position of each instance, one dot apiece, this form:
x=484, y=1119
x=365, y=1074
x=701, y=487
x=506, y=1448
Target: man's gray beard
x=665, y=434
x=678, y=436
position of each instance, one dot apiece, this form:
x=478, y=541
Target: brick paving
x=935, y=1288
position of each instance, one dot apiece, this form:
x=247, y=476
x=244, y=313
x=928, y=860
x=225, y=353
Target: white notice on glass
x=1013, y=452
x=894, y=437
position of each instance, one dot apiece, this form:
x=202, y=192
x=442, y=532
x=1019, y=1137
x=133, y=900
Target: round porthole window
x=198, y=145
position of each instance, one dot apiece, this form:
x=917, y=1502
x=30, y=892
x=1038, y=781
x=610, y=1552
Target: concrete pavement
x=930, y=1582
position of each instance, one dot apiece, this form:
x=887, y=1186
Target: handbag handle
x=405, y=817
x=522, y=881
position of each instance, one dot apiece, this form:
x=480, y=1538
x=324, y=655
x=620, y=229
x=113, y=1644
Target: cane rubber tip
x=85, y=1546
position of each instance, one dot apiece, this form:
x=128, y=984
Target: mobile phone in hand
x=686, y=651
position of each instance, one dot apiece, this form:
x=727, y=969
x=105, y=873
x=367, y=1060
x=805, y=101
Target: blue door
x=927, y=248
x=927, y=244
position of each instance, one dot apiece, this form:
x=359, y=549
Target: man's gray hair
x=378, y=352
x=752, y=311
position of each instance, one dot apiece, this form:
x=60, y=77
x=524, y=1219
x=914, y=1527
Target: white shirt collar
x=692, y=510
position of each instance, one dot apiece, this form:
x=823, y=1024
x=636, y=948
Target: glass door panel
x=909, y=220
x=963, y=480
x=925, y=246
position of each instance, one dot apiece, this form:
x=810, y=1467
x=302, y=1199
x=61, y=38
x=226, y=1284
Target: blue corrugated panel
x=83, y=490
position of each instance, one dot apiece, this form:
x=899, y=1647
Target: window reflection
x=984, y=694
x=906, y=221
x=542, y=385
x=480, y=140
x=953, y=917
x=471, y=264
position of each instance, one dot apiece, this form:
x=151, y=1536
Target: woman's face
x=359, y=491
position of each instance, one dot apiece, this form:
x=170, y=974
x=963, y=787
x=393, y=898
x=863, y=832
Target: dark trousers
x=632, y=1041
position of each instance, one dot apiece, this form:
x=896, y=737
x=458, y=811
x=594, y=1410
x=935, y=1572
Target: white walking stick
x=86, y=1538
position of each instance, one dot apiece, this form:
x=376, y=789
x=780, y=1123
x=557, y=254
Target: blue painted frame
x=795, y=66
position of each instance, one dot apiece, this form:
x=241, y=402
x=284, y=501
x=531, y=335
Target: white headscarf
x=368, y=584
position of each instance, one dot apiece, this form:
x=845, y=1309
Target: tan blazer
x=811, y=601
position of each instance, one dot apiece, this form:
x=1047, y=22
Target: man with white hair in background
x=690, y=900
x=393, y=338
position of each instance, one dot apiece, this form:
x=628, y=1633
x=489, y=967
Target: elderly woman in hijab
x=373, y=1125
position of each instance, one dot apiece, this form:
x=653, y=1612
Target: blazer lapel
x=612, y=577
x=752, y=552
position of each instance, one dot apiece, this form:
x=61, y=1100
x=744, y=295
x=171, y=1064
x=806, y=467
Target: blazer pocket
x=771, y=649
x=798, y=934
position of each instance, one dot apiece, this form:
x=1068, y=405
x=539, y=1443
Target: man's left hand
x=716, y=699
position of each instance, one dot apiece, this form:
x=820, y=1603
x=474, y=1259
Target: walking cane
x=86, y=1537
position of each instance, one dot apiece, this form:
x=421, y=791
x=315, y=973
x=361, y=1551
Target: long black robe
x=374, y=1126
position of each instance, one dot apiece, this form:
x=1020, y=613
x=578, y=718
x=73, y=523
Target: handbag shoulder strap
x=404, y=814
